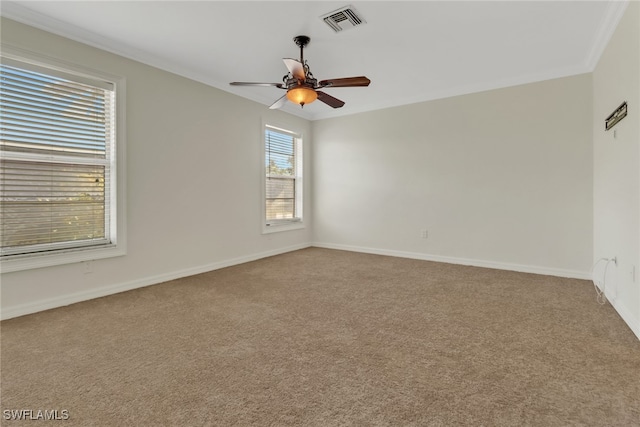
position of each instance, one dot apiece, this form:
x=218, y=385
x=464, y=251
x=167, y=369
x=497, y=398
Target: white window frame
x=296, y=223
x=117, y=245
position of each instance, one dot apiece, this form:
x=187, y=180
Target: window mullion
x=57, y=152
x=48, y=158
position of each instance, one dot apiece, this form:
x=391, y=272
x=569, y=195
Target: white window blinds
x=281, y=176
x=56, y=147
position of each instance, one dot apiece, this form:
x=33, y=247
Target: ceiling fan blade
x=280, y=85
x=279, y=103
x=345, y=82
x=329, y=100
x=295, y=67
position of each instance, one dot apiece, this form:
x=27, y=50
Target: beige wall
x=521, y=178
x=500, y=178
x=617, y=165
x=193, y=181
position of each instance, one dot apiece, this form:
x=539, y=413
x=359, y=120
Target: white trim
x=296, y=223
x=547, y=271
x=49, y=303
x=623, y=312
x=608, y=24
x=118, y=235
x=17, y=12
x=632, y=323
x=282, y=226
x=87, y=253
x=451, y=92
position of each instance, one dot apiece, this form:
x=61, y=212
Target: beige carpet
x=320, y=337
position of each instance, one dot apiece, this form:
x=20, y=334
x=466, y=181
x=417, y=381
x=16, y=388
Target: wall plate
x=619, y=114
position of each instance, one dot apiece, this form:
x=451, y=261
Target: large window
x=283, y=178
x=58, y=163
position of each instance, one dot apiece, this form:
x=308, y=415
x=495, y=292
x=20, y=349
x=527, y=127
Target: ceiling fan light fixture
x=301, y=95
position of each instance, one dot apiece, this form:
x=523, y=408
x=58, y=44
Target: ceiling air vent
x=343, y=19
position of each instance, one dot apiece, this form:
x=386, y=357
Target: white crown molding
x=608, y=25
x=19, y=13
x=461, y=90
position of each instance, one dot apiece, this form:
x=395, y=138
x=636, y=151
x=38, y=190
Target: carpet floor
x=320, y=337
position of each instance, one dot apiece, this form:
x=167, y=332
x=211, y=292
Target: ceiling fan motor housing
x=291, y=82
x=302, y=41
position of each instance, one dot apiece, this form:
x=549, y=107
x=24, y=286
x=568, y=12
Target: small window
x=58, y=165
x=283, y=179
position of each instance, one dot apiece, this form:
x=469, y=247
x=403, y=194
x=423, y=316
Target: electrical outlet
x=424, y=234
x=87, y=267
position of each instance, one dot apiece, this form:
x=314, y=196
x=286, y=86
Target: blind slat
x=48, y=204
x=280, y=168
x=52, y=113
x=54, y=98
x=83, y=109
x=9, y=120
x=46, y=119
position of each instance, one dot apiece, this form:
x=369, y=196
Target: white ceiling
x=412, y=51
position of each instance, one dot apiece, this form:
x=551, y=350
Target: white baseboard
x=47, y=304
x=547, y=271
x=625, y=314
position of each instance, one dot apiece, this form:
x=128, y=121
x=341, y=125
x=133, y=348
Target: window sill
x=32, y=261
x=282, y=226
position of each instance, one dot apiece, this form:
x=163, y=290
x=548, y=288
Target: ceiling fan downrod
x=302, y=42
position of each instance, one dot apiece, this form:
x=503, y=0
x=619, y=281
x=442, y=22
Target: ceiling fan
x=302, y=87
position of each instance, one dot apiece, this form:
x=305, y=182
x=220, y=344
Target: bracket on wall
x=619, y=114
